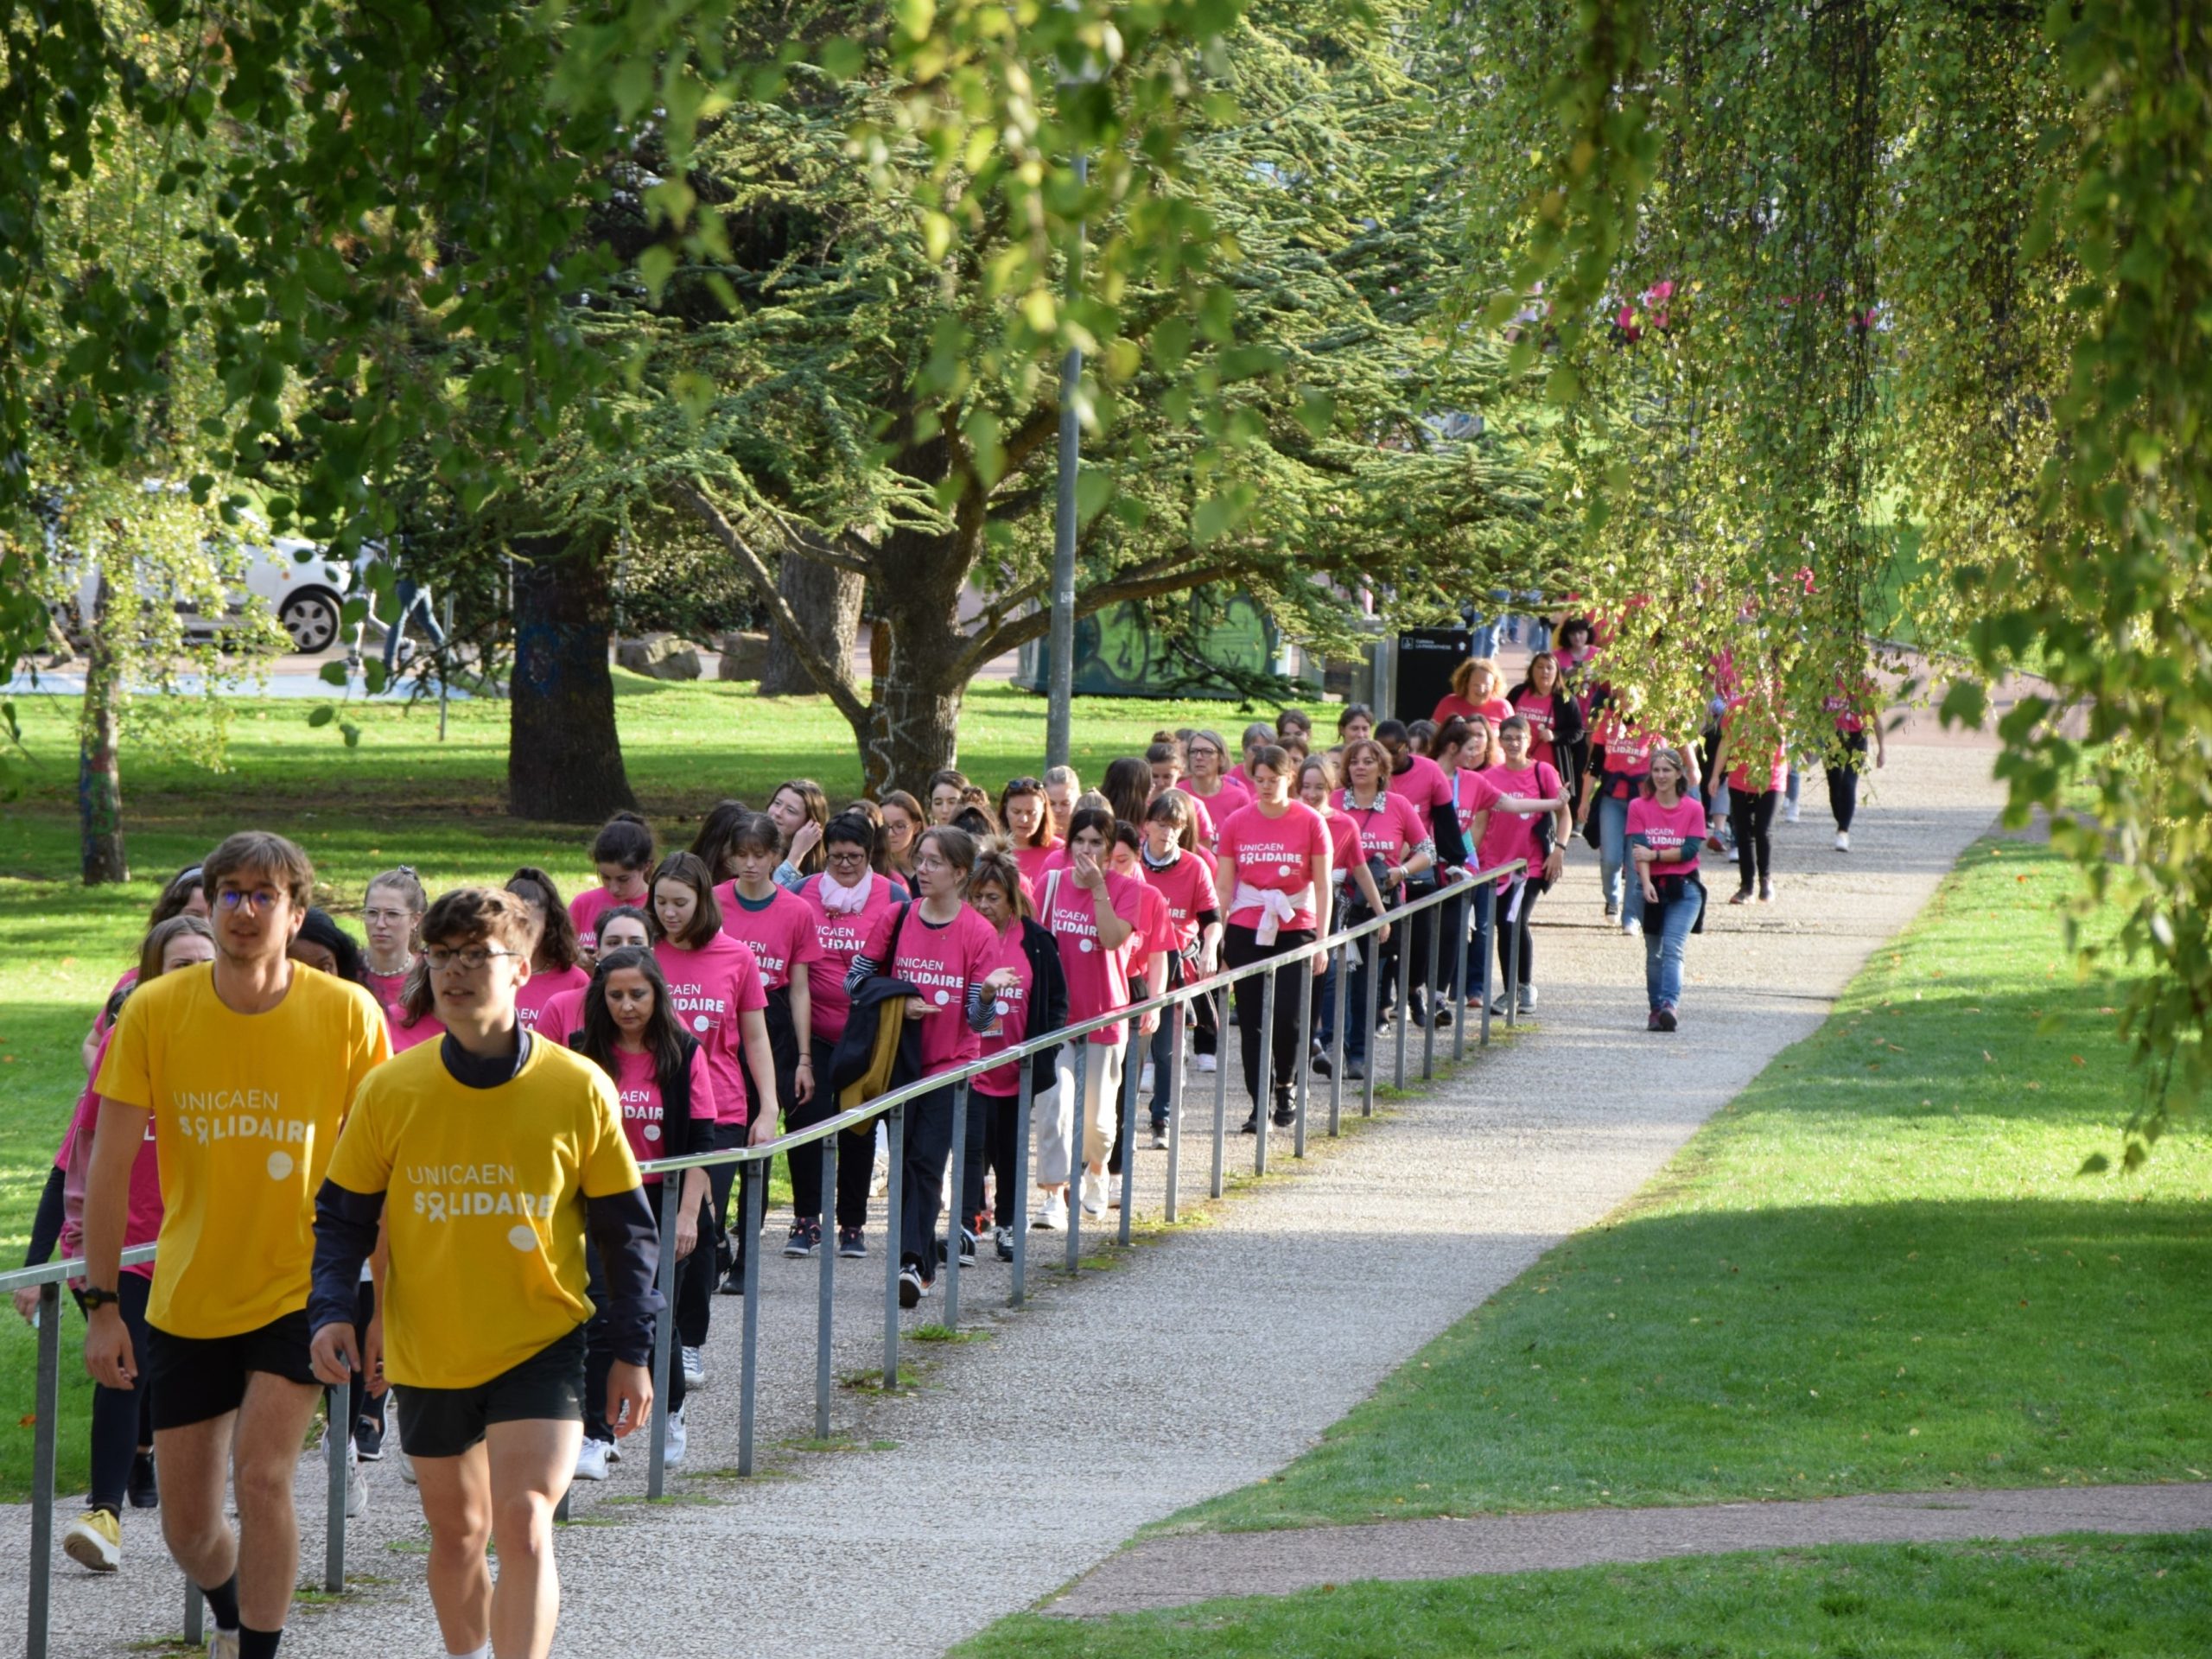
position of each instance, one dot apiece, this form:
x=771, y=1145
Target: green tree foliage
x=1885, y=276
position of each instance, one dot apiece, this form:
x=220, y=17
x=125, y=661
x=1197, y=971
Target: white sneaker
x=94, y=1541
x=695, y=1369
x=1094, y=1195
x=407, y=1468
x=674, y=1452
x=1207, y=1063
x=1144, y=1079
x=591, y=1459
x=1052, y=1214
x=222, y=1645
x=1789, y=813
x=1843, y=841
x=357, y=1489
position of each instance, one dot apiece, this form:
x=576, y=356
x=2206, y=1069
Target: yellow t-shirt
x=484, y=1210
x=246, y=1107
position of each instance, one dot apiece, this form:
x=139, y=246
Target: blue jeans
x=1357, y=1030
x=1325, y=1015
x=1477, y=944
x=1663, y=947
x=414, y=606
x=1612, y=853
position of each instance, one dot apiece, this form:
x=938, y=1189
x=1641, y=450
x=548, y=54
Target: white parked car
x=303, y=592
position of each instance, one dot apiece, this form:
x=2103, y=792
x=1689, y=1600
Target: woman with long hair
x=1527, y=820
x=1556, y=732
x=183, y=894
x=1666, y=828
x=659, y=1072
x=1031, y=1002
x=1395, y=843
x=1164, y=759
x=1127, y=789
x=121, y=1427
x=1093, y=915
x=946, y=793
x=1027, y=818
x=779, y=924
x=1172, y=867
x=800, y=811
x=556, y=958
x=903, y=824
x=943, y=949
x=710, y=846
x=326, y=948
x=846, y=902
x=1753, y=757
x=1621, y=747
x=1856, y=713
x=391, y=916
x=612, y=929
x=1275, y=859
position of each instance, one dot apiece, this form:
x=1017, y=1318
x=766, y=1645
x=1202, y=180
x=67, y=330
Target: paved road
x=1201, y=1363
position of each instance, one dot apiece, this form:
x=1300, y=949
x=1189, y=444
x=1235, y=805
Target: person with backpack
x=1033, y=1002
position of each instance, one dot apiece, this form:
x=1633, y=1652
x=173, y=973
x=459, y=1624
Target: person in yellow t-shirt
x=486, y=1155
x=246, y=1066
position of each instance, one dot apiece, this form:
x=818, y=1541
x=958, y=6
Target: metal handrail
x=1174, y=1004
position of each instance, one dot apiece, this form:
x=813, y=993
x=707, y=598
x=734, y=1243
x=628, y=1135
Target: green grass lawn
x=2055, y=1598
x=1877, y=1270
x=402, y=796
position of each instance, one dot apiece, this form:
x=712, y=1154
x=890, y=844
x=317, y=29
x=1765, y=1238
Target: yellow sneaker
x=94, y=1541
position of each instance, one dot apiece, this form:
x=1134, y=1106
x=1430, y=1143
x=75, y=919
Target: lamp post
x=1060, y=688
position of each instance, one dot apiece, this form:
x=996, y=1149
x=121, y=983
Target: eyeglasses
x=474, y=960
x=1024, y=787
x=848, y=856
x=258, y=901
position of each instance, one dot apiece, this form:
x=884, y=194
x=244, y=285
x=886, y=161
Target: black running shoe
x=805, y=1238
x=145, y=1488
x=852, y=1242
x=368, y=1441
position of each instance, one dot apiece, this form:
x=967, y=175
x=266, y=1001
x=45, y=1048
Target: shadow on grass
x=1792, y=1352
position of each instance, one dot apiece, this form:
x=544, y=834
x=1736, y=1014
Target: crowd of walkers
x=410, y=1162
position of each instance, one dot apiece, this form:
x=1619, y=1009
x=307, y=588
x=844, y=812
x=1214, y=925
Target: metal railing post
x=1220, y=1091
x=956, y=1222
x=1339, y=991
x=1374, y=1003
x=1304, y=1074
x=1263, y=1096
x=338, y=1408
x=825, y=1304
x=1513, y=964
x=45, y=1431
x=1486, y=930
x=894, y=1134
x=1405, y=997
x=1459, y=977
x=1434, y=997
x=671, y=1205
x=195, y=1610
x=1078, y=1166
x=1132, y=1074
x=1177, y=1029
x=1025, y=1103
x=756, y=1196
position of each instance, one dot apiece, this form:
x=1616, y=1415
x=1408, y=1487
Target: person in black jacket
x=1036, y=1002
x=1557, y=731
x=659, y=1073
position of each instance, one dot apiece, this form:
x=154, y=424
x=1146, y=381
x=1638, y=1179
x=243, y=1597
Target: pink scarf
x=846, y=902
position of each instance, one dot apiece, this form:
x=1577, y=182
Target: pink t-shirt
x=385, y=988
x=1187, y=887
x=1774, y=776
x=1223, y=804
x=1098, y=979
x=781, y=932
x=1388, y=826
x=1477, y=794
x=1541, y=712
x=1273, y=854
x=637, y=1084
x=101, y=1023
x=941, y=962
x=530, y=1001
x=143, y=1221
x=1513, y=835
x=1032, y=860
x=404, y=1036
x=586, y=908
x=1663, y=827
x=1009, y=1013
x=562, y=1016
x=1343, y=841
x=1627, y=753
x=709, y=989
x=1453, y=706
x=839, y=939
x=1423, y=784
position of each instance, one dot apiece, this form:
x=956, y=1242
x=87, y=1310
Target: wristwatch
x=91, y=1299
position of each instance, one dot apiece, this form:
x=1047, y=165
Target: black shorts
x=446, y=1422
x=196, y=1379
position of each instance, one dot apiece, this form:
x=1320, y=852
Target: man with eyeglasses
x=247, y=1067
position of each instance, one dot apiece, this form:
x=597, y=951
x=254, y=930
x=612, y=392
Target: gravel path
x=1200, y=1364
x=1176, y=1571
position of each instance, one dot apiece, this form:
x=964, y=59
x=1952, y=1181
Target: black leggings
x=1506, y=931
x=1002, y=1115
x=695, y=1275
x=1241, y=947
x=928, y=1148
x=1751, y=816
x=856, y=1153
x=1844, y=758
x=122, y=1419
x=599, y=1344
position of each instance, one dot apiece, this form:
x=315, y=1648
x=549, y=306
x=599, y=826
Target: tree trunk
x=827, y=601
x=564, y=756
x=99, y=772
x=914, y=718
